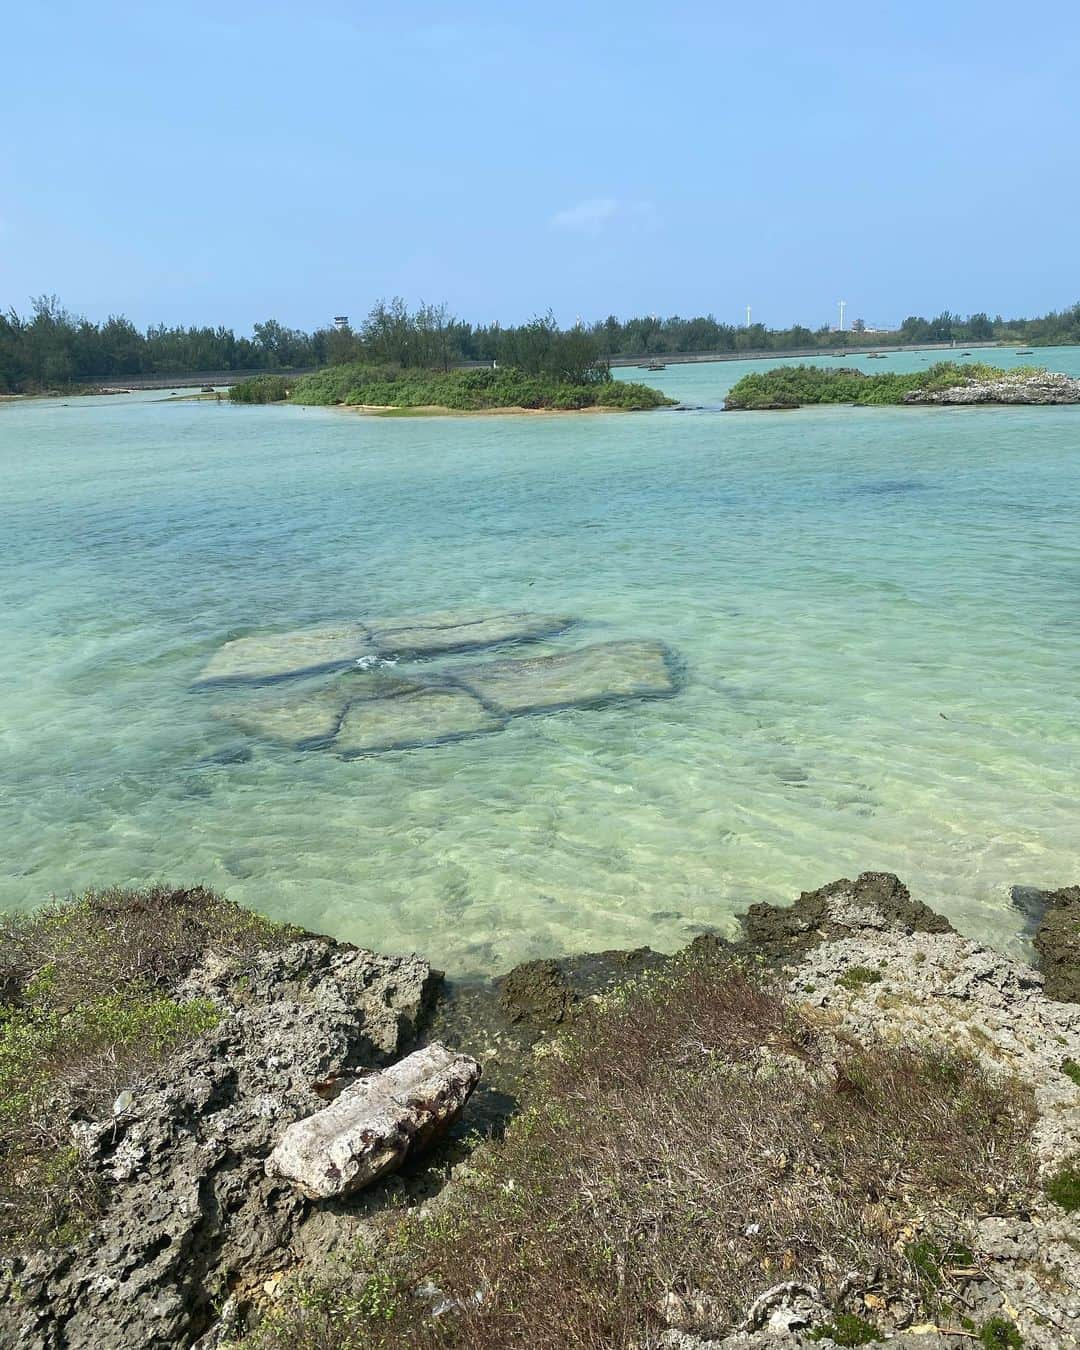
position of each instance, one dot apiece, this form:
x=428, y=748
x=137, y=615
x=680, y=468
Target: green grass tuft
x=858, y=977
x=1000, y=1334
x=847, y=1329
x=1063, y=1188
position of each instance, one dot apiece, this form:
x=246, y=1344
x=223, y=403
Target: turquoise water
x=877, y=610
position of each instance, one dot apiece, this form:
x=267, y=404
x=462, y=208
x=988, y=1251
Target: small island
x=390, y=390
x=943, y=384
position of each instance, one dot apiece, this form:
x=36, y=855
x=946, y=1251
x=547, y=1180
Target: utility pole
x=843, y=306
x=748, y=316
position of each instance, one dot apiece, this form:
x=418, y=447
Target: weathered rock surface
x=1044, y=386
x=265, y=657
x=364, y=711
x=782, y=932
x=190, y=1210
x=1057, y=943
x=275, y=656
x=435, y=634
x=375, y=1123
x=421, y=716
x=602, y=673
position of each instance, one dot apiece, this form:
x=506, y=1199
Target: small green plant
x=1063, y=1188
x=858, y=977
x=925, y=1259
x=1000, y=1334
x=846, y=1329
x=1071, y=1069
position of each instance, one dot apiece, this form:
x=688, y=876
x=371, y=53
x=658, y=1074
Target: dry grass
x=693, y=1146
x=86, y=1011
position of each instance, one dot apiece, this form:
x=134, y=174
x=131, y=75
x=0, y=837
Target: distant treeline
x=51, y=348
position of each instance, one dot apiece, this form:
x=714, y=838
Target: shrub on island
x=260, y=389
x=793, y=386
x=477, y=390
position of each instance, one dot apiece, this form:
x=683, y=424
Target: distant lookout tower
x=341, y=321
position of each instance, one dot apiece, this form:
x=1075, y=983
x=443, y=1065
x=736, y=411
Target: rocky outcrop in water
x=1038, y=387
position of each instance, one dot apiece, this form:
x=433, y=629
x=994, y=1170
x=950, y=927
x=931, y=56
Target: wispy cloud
x=593, y=216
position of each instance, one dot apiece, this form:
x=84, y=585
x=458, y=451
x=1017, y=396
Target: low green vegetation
x=794, y=386
x=361, y=385
x=1000, y=1334
x=51, y=348
x=690, y=1144
x=86, y=1012
x=260, y=389
x=858, y=977
x=1071, y=1069
x=847, y=1329
x=1063, y=1188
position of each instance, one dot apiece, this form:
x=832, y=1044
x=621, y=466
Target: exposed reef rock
x=1038, y=387
x=191, y=1211
x=785, y=932
x=1057, y=943
x=193, y=1221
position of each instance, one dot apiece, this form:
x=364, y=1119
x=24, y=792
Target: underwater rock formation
x=365, y=710
x=264, y=657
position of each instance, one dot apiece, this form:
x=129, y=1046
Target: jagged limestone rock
x=187, y=1201
x=428, y=635
x=427, y=716
x=274, y=656
x=578, y=679
x=375, y=1124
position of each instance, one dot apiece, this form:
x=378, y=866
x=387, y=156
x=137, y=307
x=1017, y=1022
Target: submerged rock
x=435, y=634
x=264, y=657
x=307, y=716
x=375, y=1124
x=298, y=718
x=422, y=716
x=364, y=712
x=601, y=673
x=275, y=656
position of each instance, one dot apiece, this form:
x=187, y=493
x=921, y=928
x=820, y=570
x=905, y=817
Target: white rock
x=375, y=1123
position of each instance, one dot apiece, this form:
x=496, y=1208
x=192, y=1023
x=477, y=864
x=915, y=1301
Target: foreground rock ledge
x=375, y=1124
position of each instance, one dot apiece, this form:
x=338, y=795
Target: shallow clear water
x=878, y=611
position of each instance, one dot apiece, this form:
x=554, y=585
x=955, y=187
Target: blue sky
x=231, y=162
